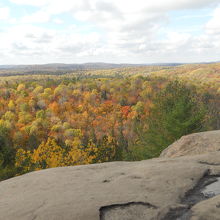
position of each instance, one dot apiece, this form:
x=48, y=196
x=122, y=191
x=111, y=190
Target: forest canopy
x=82, y=119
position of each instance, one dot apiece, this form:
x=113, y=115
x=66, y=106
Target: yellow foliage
x=38, y=89
x=50, y=154
x=6, y=124
x=11, y=105
x=9, y=116
x=21, y=87
x=23, y=159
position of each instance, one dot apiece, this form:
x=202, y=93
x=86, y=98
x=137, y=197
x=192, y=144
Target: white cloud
x=213, y=26
x=175, y=40
x=41, y=44
x=31, y=2
x=129, y=6
x=4, y=13
x=119, y=31
x=38, y=17
x=58, y=21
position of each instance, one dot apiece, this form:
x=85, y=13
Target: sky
x=112, y=31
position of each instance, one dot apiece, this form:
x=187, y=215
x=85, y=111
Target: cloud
x=127, y=5
x=110, y=31
x=31, y=2
x=38, y=17
x=58, y=21
x=213, y=26
x=42, y=44
x=4, y=13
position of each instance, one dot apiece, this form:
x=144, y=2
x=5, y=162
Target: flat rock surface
x=151, y=189
x=193, y=144
x=166, y=188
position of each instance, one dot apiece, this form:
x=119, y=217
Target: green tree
x=177, y=111
x=6, y=151
x=7, y=154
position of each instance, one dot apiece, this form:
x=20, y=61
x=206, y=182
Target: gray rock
x=197, y=143
x=156, y=189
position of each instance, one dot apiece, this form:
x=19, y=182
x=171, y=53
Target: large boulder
x=193, y=144
x=158, y=189
x=153, y=189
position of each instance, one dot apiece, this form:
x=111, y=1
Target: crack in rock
x=126, y=211
x=178, y=212
x=208, y=163
x=196, y=195
x=192, y=197
x=142, y=210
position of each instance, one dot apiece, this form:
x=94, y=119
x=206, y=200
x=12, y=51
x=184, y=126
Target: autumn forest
x=93, y=116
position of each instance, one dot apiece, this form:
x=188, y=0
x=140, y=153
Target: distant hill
x=208, y=73
x=65, y=66
x=205, y=73
x=83, y=66
x=61, y=68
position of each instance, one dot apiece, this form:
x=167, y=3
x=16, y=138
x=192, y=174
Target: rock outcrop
x=157, y=189
x=193, y=144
